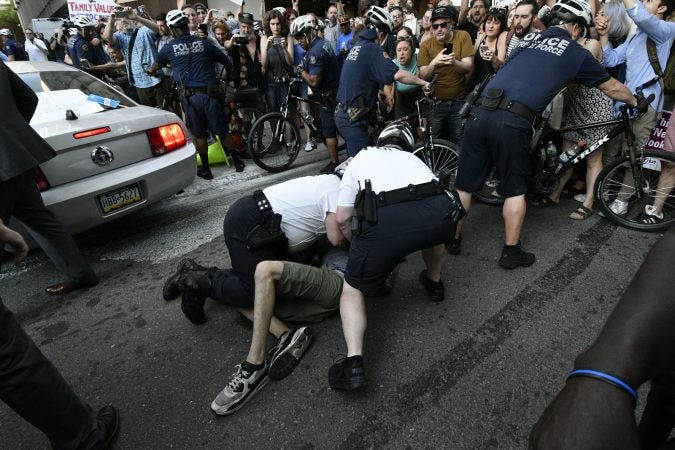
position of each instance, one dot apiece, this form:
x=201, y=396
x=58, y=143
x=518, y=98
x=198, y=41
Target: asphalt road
x=472, y=372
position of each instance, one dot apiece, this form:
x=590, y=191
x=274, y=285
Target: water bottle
x=569, y=154
x=551, y=154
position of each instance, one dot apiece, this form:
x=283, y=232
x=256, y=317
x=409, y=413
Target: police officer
x=365, y=69
x=511, y=102
x=402, y=209
x=80, y=45
x=280, y=222
x=191, y=60
x=14, y=49
x=319, y=69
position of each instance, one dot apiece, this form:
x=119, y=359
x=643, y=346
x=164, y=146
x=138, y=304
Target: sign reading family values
x=94, y=9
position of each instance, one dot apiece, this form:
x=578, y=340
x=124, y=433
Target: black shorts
x=500, y=138
x=328, y=128
x=401, y=229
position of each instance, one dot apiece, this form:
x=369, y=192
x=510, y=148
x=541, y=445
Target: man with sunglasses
x=449, y=55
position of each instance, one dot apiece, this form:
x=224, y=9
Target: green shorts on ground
x=306, y=293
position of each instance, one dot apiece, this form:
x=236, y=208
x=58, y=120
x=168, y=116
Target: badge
x=312, y=59
x=84, y=47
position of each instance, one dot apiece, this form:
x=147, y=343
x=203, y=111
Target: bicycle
x=274, y=139
x=245, y=110
x=632, y=177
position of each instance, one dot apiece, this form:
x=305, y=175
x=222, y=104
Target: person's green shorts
x=306, y=293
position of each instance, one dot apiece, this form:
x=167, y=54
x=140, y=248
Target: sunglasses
x=436, y=26
x=496, y=11
x=404, y=38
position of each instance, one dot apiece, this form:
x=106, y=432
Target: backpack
x=667, y=75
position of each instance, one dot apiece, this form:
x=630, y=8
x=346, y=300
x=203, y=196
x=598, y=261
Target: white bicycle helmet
x=572, y=11
x=83, y=22
x=176, y=18
x=398, y=133
x=379, y=18
x=302, y=24
x=5, y=32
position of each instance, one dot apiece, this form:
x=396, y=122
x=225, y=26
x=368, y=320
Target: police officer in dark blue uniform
x=366, y=69
x=319, y=69
x=80, y=46
x=191, y=60
x=14, y=49
x=501, y=128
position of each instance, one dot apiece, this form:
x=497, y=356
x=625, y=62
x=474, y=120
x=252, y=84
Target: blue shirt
x=365, y=69
x=345, y=41
x=4, y=57
x=79, y=49
x=558, y=60
x=320, y=60
x=14, y=47
x=143, y=56
x=634, y=51
x=191, y=60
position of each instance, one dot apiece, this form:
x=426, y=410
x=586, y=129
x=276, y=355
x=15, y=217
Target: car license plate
x=119, y=198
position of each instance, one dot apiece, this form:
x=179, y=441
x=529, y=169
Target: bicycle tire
x=488, y=192
x=444, y=155
x=616, y=181
x=245, y=117
x=267, y=142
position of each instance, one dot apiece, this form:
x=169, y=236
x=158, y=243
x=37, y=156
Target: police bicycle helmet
x=302, y=25
x=399, y=134
x=83, y=22
x=5, y=32
x=176, y=18
x=572, y=11
x=379, y=19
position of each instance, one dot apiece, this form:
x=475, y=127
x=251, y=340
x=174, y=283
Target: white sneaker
x=580, y=198
x=619, y=207
x=244, y=385
x=309, y=147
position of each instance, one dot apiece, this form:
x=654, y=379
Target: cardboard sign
x=52, y=105
x=92, y=9
x=658, y=135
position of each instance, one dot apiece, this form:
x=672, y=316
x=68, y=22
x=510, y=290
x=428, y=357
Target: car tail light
x=166, y=138
x=40, y=179
x=90, y=133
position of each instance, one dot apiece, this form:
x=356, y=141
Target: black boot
x=174, y=284
x=196, y=287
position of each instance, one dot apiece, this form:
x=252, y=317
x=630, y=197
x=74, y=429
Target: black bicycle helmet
x=399, y=134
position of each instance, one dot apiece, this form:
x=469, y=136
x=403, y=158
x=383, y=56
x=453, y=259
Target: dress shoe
x=174, y=284
x=109, y=420
x=68, y=287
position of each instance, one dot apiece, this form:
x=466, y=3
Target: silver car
x=114, y=156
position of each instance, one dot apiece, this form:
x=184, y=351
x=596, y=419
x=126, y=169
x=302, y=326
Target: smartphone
x=204, y=28
x=276, y=41
x=448, y=48
x=484, y=48
x=119, y=12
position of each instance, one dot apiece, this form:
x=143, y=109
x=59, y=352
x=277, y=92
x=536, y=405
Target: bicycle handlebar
x=644, y=104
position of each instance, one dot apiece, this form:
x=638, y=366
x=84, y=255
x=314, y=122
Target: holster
x=492, y=99
x=358, y=111
x=266, y=234
x=365, y=209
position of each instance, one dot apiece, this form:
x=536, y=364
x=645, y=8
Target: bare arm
x=108, y=31
x=409, y=78
x=333, y=232
x=616, y=90
x=463, y=12
x=343, y=216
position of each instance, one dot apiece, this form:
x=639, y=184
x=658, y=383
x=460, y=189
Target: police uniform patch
x=312, y=59
x=386, y=55
x=85, y=47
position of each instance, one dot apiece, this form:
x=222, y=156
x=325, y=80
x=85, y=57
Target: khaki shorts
x=306, y=293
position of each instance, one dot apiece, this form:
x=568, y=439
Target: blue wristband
x=614, y=381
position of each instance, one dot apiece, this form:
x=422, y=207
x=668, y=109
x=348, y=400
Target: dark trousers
x=34, y=388
x=354, y=133
x=236, y=287
x=20, y=197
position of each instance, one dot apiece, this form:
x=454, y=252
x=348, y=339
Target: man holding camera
x=136, y=40
x=192, y=60
x=450, y=55
x=243, y=49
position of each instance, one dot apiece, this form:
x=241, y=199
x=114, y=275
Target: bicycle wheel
x=623, y=192
x=242, y=120
x=488, y=192
x=274, y=142
x=445, y=155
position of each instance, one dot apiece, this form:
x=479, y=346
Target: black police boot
x=174, y=284
x=196, y=287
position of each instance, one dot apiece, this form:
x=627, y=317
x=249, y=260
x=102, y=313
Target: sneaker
x=309, y=147
x=196, y=287
x=435, y=289
x=580, y=198
x=174, y=284
x=454, y=247
x=109, y=422
x=650, y=216
x=347, y=374
x=516, y=258
x=288, y=351
x=245, y=383
x=329, y=169
x=205, y=174
x=619, y=207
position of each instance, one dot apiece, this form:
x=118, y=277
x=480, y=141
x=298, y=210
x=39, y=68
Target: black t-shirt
x=470, y=28
x=543, y=64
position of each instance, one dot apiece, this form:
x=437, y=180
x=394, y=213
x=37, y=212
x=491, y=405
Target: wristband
x=610, y=379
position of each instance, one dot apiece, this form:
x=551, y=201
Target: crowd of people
x=305, y=248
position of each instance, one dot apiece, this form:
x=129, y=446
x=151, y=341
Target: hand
x=602, y=24
x=15, y=240
x=131, y=12
x=487, y=55
x=442, y=59
x=299, y=69
x=427, y=90
x=283, y=42
x=85, y=64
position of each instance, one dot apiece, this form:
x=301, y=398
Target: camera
x=276, y=41
x=241, y=40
